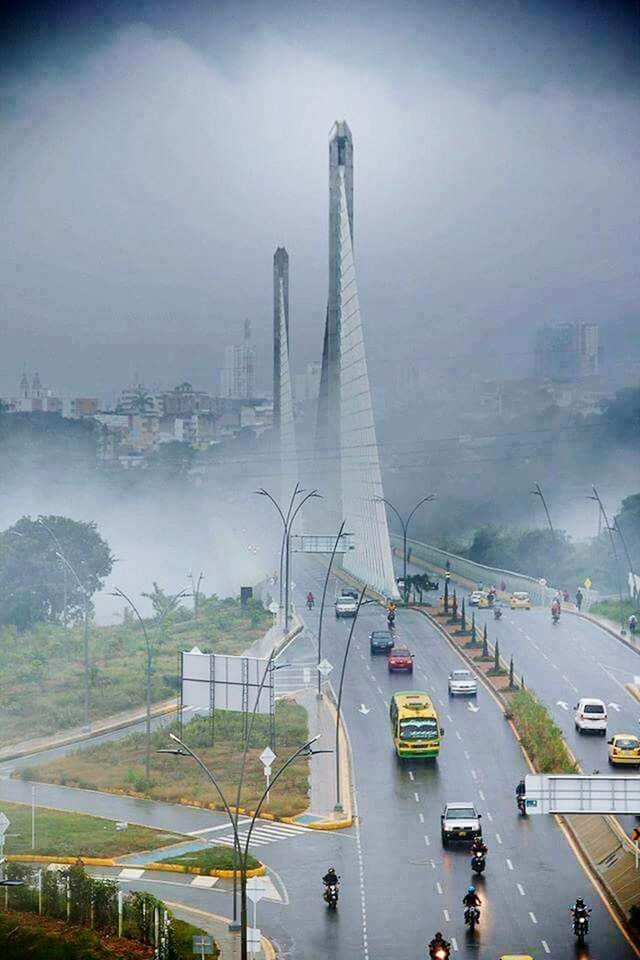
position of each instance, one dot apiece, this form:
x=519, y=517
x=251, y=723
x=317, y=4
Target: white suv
x=590, y=714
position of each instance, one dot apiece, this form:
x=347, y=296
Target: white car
x=590, y=714
x=346, y=607
x=475, y=598
x=463, y=682
x=460, y=821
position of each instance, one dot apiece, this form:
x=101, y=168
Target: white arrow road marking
x=616, y=706
x=363, y=710
x=472, y=707
x=561, y=703
x=446, y=915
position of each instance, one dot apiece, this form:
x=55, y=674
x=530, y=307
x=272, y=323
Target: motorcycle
x=478, y=863
x=522, y=805
x=441, y=951
x=331, y=896
x=472, y=917
x=555, y=617
x=580, y=925
x=310, y=604
x=391, y=621
x=497, y=613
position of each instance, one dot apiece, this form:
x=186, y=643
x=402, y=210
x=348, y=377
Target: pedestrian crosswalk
x=263, y=833
x=297, y=676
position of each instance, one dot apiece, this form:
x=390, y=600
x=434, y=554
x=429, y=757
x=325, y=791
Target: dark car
x=381, y=641
x=400, y=658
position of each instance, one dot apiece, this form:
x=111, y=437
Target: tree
x=496, y=656
x=142, y=401
x=36, y=584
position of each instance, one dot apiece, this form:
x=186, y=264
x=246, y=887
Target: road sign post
x=202, y=946
x=256, y=889
x=267, y=757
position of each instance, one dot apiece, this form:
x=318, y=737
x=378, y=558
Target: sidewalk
x=228, y=941
x=321, y=814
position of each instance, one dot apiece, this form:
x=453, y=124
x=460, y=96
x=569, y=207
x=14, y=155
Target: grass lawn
x=41, y=670
x=119, y=766
x=214, y=858
x=610, y=609
x=73, y=834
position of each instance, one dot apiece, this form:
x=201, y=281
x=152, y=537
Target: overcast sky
x=153, y=155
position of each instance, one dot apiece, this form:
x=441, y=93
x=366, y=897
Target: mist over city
x=320, y=364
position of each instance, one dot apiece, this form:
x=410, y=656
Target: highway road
x=407, y=885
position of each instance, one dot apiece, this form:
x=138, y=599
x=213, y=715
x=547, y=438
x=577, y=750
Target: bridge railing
x=479, y=573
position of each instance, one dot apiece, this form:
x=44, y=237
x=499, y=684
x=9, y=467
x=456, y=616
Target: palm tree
x=142, y=401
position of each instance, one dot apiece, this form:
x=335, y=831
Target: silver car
x=462, y=682
x=460, y=821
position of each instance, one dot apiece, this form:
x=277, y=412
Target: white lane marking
x=449, y=718
x=466, y=755
x=433, y=864
x=474, y=775
x=545, y=946
x=481, y=794
x=527, y=637
x=454, y=944
x=205, y=882
x=441, y=702
x=533, y=917
x=617, y=682
x=130, y=874
x=439, y=888
x=489, y=817
x=421, y=817
x=555, y=666
x=363, y=906
x=426, y=840
x=544, y=655
x=446, y=915
x=498, y=838
x=411, y=776
x=509, y=864
x=221, y=826
x=520, y=889
x=457, y=735
x=379, y=689
x=417, y=798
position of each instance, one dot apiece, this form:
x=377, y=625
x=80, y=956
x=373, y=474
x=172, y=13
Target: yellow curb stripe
x=42, y=858
x=330, y=824
x=167, y=867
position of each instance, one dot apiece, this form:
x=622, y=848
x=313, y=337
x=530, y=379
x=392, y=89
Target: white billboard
x=574, y=793
x=220, y=682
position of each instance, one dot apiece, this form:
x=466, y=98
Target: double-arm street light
x=195, y=588
x=288, y=520
x=609, y=528
x=405, y=526
x=171, y=605
x=183, y=750
x=87, y=600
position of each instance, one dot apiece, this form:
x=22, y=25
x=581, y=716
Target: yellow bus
x=414, y=724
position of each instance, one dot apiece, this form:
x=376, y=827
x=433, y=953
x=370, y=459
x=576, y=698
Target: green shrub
x=540, y=736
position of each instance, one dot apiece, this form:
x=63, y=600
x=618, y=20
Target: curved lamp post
x=596, y=497
x=405, y=526
x=117, y=592
x=87, y=599
x=184, y=750
x=324, y=595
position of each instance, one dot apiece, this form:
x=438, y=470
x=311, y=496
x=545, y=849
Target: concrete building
x=280, y=305
x=237, y=381
x=566, y=352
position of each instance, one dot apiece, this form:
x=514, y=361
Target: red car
x=400, y=658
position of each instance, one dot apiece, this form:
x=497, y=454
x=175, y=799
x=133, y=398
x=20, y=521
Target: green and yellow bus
x=415, y=728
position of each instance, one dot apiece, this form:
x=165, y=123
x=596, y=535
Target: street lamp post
x=117, y=592
x=324, y=596
x=195, y=589
x=287, y=522
x=405, y=526
x=86, y=726
x=609, y=529
x=338, y=803
x=184, y=750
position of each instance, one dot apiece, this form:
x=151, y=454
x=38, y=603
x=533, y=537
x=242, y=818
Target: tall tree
x=39, y=562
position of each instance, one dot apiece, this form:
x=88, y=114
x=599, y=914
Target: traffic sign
x=203, y=945
x=273, y=607
x=4, y=823
x=267, y=756
x=587, y=583
x=542, y=582
x=325, y=668
x=256, y=889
